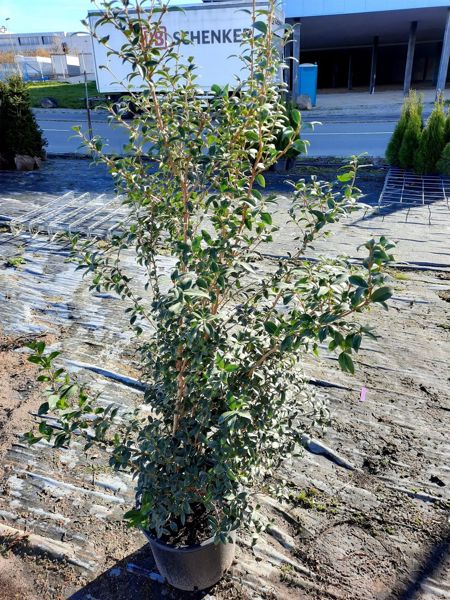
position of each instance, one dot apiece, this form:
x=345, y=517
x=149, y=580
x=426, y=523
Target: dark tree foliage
x=443, y=164
x=432, y=142
x=447, y=129
x=19, y=132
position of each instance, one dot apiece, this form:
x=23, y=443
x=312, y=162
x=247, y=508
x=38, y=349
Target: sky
x=43, y=15
x=28, y=16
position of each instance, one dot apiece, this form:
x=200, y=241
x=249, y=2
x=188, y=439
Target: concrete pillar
x=410, y=57
x=373, y=66
x=445, y=55
x=295, y=58
x=350, y=72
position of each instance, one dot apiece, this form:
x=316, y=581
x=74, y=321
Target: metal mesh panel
x=93, y=216
x=403, y=189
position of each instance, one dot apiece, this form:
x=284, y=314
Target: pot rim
x=191, y=548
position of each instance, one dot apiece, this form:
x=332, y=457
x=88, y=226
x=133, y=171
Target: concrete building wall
x=366, y=43
x=318, y=8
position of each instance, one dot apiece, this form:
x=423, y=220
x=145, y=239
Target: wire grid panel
x=409, y=189
x=97, y=216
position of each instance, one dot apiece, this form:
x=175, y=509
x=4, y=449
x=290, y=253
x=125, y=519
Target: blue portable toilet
x=307, y=81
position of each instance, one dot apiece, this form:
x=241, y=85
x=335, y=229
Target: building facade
x=51, y=44
x=373, y=43
x=30, y=42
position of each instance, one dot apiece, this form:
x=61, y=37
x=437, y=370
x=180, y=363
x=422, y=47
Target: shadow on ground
x=132, y=579
x=59, y=176
x=431, y=569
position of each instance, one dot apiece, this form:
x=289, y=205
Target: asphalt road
x=340, y=137
x=349, y=138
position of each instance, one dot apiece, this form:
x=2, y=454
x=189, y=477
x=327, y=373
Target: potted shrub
x=223, y=342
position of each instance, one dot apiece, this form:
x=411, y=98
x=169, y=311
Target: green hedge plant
x=224, y=341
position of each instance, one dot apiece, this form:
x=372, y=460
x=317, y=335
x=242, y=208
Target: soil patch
x=18, y=391
x=445, y=295
x=15, y=582
x=195, y=531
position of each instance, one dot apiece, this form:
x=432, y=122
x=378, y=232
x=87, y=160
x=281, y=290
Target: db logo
x=156, y=37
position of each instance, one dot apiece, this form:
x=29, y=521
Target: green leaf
x=207, y=237
x=252, y=136
x=346, y=363
x=286, y=344
x=43, y=409
x=30, y=438
x=260, y=26
x=260, y=180
x=358, y=281
x=345, y=177
x=267, y=218
x=35, y=359
x=299, y=146
x=356, y=342
x=271, y=327
x=220, y=363
x=295, y=116
x=382, y=294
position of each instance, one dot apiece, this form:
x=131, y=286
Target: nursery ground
x=367, y=518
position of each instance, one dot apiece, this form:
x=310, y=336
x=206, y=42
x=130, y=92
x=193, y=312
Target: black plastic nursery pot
x=192, y=568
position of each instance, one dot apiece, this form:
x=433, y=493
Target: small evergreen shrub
x=393, y=149
x=411, y=139
x=19, y=132
x=412, y=104
x=432, y=141
x=447, y=129
x=443, y=164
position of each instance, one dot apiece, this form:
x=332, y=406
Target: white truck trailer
x=215, y=30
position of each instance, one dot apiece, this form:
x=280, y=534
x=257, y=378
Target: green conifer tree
x=447, y=129
x=19, y=132
x=395, y=143
x=443, y=164
x=412, y=103
x=432, y=141
x=411, y=139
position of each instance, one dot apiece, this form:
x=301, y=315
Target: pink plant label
x=362, y=396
